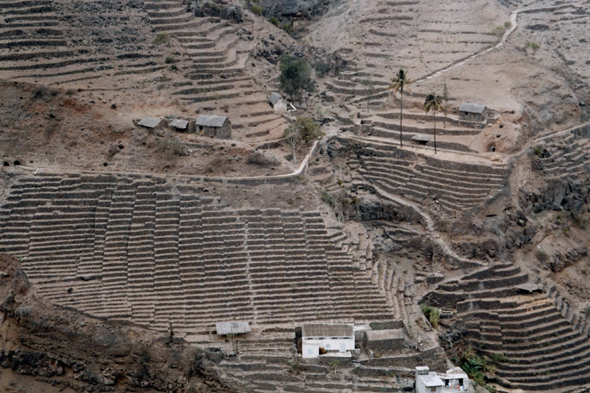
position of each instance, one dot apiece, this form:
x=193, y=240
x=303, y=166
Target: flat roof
x=431, y=380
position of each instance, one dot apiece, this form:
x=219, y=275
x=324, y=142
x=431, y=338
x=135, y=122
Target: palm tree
x=433, y=103
x=399, y=83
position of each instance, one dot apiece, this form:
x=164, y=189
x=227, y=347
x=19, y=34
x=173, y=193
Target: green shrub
x=498, y=358
x=256, y=9
x=161, y=38
x=174, y=67
x=295, y=76
x=274, y=20
x=432, y=314
x=288, y=27
x=328, y=198
x=170, y=60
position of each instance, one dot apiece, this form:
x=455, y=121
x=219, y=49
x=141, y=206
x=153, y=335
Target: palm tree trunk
x=434, y=132
x=401, y=117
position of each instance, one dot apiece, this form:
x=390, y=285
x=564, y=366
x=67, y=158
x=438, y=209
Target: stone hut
x=214, y=126
x=277, y=102
x=149, y=122
x=473, y=112
x=179, y=125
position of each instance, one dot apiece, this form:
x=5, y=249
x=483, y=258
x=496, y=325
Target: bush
x=170, y=60
x=533, y=45
x=259, y=158
x=432, y=314
x=274, y=20
x=498, y=358
x=174, y=67
x=476, y=368
x=321, y=68
x=256, y=9
x=288, y=27
x=161, y=38
x=295, y=76
x=328, y=198
x=45, y=92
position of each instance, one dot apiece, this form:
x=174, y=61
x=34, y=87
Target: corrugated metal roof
x=326, y=330
x=472, y=108
x=225, y=328
x=274, y=97
x=149, y=122
x=178, y=123
x=211, y=121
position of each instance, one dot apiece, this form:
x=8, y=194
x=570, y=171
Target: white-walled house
x=452, y=381
x=330, y=338
x=428, y=382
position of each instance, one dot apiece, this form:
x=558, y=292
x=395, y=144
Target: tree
x=446, y=101
x=433, y=103
x=295, y=76
x=399, y=83
x=300, y=133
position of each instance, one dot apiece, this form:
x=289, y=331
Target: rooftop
x=431, y=380
x=472, y=108
x=211, y=121
x=274, y=97
x=225, y=328
x=327, y=330
x=149, y=122
x=179, y=123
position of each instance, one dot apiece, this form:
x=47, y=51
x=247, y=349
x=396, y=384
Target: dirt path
x=507, y=33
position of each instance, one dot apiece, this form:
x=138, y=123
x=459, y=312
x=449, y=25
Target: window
x=310, y=351
x=327, y=346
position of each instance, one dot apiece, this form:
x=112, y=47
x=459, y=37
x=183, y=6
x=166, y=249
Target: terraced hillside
x=420, y=36
x=162, y=256
x=444, y=187
x=566, y=155
x=545, y=344
x=200, y=62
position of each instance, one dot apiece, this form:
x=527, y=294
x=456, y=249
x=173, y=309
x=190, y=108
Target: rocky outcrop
x=294, y=8
x=66, y=349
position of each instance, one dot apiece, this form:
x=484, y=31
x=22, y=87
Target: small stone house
x=278, y=103
x=214, y=126
x=149, y=122
x=325, y=338
x=473, y=112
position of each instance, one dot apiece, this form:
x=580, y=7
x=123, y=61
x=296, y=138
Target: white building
x=428, y=382
x=452, y=381
x=326, y=339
